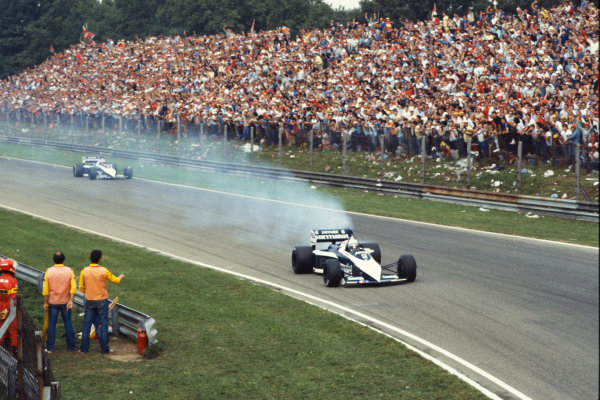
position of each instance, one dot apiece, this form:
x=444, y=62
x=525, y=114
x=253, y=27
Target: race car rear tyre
x=302, y=260
x=93, y=174
x=78, y=170
x=332, y=274
x=407, y=268
x=128, y=172
x=376, y=254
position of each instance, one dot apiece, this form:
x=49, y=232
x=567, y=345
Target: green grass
x=221, y=337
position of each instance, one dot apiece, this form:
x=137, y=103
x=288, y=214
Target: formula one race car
x=345, y=261
x=97, y=167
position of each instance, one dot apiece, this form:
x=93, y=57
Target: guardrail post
x=178, y=134
x=423, y=159
x=224, y=139
x=40, y=364
x=87, y=130
x=279, y=133
x=252, y=130
x=201, y=134
x=20, y=383
x=114, y=319
x=577, y=165
x=469, y=149
x=519, y=163
x=44, y=126
x=382, y=147
x=312, y=136
x=139, y=128
x=344, y=144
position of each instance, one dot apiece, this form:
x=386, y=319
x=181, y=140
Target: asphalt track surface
x=517, y=316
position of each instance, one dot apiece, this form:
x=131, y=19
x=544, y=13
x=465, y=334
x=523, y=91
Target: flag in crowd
x=87, y=34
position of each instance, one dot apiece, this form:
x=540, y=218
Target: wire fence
x=201, y=138
x=25, y=372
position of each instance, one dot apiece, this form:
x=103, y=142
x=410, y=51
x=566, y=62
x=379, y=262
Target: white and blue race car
x=343, y=260
x=97, y=167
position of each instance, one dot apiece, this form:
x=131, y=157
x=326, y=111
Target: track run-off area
x=515, y=317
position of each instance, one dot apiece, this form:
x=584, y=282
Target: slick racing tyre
x=78, y=170
x=302, y=260
x=128, y=172
x=407, y=268
x=376, y=254
x=93, y=174
x=332, y=274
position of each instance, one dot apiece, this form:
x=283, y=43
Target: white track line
x=320, y=301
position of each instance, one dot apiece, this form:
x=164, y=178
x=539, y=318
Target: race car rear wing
x=329, y=235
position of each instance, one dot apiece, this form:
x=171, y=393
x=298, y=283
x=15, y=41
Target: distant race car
x=347, y=262
x=97, y=167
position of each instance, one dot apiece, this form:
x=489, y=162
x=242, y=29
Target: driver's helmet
x=352, y=243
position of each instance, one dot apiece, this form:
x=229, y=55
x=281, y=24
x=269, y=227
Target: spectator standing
x=59, y=290
x=8, y=291
x=92, y=282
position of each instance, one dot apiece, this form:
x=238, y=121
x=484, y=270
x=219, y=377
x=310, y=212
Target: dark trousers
x=95, y=309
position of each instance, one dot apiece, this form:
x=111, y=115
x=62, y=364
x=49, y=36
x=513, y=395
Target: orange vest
x=60, y=284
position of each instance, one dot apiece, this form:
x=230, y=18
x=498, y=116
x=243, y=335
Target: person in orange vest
x=8, y=290
x=59, y=290
x=92, y=282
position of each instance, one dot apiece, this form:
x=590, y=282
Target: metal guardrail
x=122, y=319
x=562, y=208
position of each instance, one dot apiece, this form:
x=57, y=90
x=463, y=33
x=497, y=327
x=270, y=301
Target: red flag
x=433, y=12
x=51, y=49
x=80, y=59
x=87, y=35
x=252, y=27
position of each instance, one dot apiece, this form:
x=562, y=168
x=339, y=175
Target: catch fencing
x=197, y=139
x=25, y=372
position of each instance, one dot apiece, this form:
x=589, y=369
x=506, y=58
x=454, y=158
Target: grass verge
x=221, y=337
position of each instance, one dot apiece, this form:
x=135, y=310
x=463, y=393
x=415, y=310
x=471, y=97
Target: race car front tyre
x=302, y=260
x=376, y=254
x=407, y=268
x=93, y=174
x=332, y=274
x=78, y=170
x=128, y=172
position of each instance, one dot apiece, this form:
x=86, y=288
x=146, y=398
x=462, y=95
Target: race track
x=523, y=311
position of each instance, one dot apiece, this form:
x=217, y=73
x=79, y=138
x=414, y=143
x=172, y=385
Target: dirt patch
x=124, y=350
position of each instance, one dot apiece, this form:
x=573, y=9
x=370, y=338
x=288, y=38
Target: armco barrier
x=121, y=319
x=570, y=209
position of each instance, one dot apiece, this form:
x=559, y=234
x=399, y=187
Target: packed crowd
x=494, y=77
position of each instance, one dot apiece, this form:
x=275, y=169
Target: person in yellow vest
x=92, y=282
x=59, y=290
